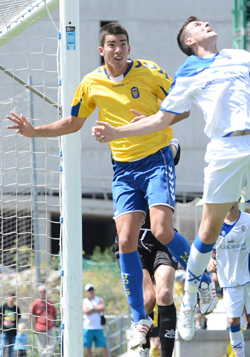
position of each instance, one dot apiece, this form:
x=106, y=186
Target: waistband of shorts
x=124, y=163
x=232, y=139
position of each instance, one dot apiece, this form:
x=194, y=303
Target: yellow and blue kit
x=143, y=85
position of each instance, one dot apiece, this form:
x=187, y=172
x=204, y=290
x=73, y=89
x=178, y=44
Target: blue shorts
x=97, y=336
x=144, y=183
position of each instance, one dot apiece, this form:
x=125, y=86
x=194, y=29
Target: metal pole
x=34, y=193
x=71, y=184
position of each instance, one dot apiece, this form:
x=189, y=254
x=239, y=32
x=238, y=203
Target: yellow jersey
x=143, y=85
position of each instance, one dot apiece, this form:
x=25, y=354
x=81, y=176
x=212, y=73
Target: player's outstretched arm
x=177, y=118
x=106, y=132
x=64, y=126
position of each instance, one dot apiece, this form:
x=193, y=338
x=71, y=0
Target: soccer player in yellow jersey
x=144, y=173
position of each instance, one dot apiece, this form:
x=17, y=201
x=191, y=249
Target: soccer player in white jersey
x=218, y=82
x=144, y=173
x=231, y=263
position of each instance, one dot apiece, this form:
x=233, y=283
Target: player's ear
x=129, y=48
x=189, y=41
x=101, y=51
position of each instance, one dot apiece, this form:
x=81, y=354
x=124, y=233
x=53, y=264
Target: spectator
x=156, y=347
x=20, y=346
x=44, y=313
x=10, y=315
x=93, y=308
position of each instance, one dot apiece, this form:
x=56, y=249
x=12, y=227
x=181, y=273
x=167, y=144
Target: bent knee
x=163, y=235
x=165, y=297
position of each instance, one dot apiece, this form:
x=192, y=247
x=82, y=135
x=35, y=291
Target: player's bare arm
x=159, y=121
x=64, y=126
x=178, y=117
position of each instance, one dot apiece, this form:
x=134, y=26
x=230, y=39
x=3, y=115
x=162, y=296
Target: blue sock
x=180, y=249
x=132, y=276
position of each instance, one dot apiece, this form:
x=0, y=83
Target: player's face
x=115, y=52
x=200, y=31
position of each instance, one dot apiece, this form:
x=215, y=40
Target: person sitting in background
x=93, y=308
x=20, y=346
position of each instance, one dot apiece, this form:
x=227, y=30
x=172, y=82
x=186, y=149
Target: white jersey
x=92, y=321
x=219, y=85
x=233, y=253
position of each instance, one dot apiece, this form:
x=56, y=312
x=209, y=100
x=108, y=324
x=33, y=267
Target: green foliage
x=103, y=272
x=107, y=256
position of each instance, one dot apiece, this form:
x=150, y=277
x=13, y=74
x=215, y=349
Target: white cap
x=88, y=286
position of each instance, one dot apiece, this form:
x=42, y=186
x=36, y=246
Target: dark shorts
x=152, y=253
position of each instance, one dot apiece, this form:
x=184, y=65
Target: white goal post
x=28, y=174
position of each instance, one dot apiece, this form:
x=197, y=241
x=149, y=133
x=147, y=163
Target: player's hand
x=138, y=117
x=22, y=125
x=104, y=133
x=212, y=265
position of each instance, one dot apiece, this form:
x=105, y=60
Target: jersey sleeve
x=82, y=105
x=162, y=80
x=179, y=100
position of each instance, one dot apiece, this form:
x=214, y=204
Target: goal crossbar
x=32, y=89
x=26, y=18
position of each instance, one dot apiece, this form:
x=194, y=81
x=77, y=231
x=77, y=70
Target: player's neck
x=206, y=51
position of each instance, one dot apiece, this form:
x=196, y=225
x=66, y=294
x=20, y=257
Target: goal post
x=71, y=184
x=36, y=176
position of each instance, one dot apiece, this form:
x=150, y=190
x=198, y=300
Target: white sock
x=238, y=343
x=197, y=263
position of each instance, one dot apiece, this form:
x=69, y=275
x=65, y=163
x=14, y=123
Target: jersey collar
x=125, y=73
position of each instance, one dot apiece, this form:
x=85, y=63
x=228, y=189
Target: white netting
x=187, y=217
x=29, y=172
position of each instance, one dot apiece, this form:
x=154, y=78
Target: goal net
x=29, y=176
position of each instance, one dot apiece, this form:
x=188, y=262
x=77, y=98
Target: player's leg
x=200, y=254
x=129, y=212
x=201, y=250
x=161, y=224
x=149, y=303
x=164, y=279
x=148, y=292
x=160, y=194
x=128, y=227
x=236, y=337
x=235, y=299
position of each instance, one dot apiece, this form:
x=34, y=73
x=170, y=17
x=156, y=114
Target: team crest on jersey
x=243, y=229
x=135, y=92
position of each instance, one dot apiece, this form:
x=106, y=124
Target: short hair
x=183, y=35
x=112, y=28
x=21, y=328
x=11, y=293
x=42, y=287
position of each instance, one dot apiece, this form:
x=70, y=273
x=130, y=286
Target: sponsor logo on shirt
x=232, y=245
x=230, y=75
